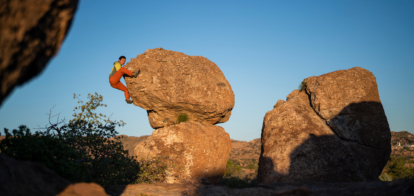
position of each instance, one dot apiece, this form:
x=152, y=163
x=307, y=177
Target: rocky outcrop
x=195, y=151
x=83, y=189
x=349, y=102
x=28, y=178
x=334, y=131
x=31, y=32
x=172, y=83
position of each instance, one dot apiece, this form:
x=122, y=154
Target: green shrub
x=183, y=117
x=152, y=171
x=231, y=168
x=302, y=85
x=82, y=150
x=395, y=168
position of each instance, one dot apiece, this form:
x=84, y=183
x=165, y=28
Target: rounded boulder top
x=174, y=87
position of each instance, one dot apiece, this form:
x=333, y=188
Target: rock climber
x=117, y=72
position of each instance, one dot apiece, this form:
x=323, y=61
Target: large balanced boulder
x=196, y=152
x=172, y=84
x=334, y=130
x=31, y=32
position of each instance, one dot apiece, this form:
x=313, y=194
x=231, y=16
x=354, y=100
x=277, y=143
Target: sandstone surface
x=279, y=103
x=172, y=83
x=28, y=178
x=195, y=151
x=31, y=32
x=83, y=189
x=333, y=131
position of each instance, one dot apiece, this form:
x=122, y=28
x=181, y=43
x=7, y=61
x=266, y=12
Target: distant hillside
x=402, y=137
x=399, y=144
x=129, y=142
x=244, y=153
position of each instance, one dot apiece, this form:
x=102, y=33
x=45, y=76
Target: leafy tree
x=84, y=150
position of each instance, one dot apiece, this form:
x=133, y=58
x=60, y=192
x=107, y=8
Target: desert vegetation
x=182, y=117
x=398, y=167
x=237, y=176
x=84, y=150
x=401, y=162
x=302, y=85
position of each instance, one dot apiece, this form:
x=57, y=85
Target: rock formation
x=28, y=178
x=83, y=189
x=31, y=32
x=195, y=151
x=333, y=131
x=172, y=83
x=184, y=97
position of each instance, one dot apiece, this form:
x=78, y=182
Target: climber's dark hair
x=122, y=57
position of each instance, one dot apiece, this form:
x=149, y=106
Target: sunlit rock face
x=195, y=151
x=31, y=32
x=335, y=130
x=172, y=83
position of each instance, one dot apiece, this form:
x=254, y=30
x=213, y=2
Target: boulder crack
x=333, y=130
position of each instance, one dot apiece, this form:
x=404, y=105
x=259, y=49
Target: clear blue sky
x=264, y=48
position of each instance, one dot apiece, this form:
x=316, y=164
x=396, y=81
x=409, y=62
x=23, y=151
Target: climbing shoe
x=135, y=74
x=129, y=101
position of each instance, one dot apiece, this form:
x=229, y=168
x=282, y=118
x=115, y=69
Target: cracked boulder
x=172, y=84
x=334, y=130
x=192, y=151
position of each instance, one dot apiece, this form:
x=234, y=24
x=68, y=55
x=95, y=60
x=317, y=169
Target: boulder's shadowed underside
x=31, y=32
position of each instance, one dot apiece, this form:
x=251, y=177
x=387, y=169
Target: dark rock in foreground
x=399, y=187
x=31, y=32
x=29, y=178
